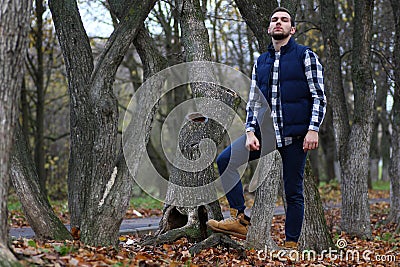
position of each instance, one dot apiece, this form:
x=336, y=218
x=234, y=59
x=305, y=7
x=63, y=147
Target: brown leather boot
x=236, y=226
x=290, y=245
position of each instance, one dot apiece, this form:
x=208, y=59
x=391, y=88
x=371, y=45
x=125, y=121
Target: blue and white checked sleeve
x=314, y=73
x=254, y=103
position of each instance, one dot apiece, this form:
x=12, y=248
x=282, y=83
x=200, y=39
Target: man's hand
x=310, y=141
x=252, y=142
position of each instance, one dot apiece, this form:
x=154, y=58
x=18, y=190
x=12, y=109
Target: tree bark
x=99, y=187
x=333, y=76
x=394, y=169
x=385, y=148
x=353, y=143
x=181, y=217
x=292, y=5
x=26, y=182
x=40, y=94
x=269, y=172
x=79, y=64
x=315, y=234
x=7, y=258
x=354, y=158
x=14, y=25
x=327, y=139
x=257, y=13
x=377, y=147
x=158, y=162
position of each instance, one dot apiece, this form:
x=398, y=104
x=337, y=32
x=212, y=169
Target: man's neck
x=279, y=43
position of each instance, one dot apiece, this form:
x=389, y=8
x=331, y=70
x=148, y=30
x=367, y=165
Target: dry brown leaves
x=383, y=250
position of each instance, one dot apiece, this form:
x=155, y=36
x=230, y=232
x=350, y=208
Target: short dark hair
x=282, y=9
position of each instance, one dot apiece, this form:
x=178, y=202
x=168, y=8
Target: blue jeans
x=293, y=161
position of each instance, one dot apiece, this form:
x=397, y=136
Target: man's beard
x=280, y=35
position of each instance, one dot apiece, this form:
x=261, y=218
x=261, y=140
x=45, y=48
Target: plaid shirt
x=314, y=74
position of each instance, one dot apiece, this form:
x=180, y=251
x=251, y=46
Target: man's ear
x=292, y=30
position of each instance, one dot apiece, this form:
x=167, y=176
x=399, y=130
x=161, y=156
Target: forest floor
x=382, y=250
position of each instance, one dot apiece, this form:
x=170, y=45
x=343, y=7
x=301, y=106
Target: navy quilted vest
x=294, y=91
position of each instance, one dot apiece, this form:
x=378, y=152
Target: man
x=290, y=77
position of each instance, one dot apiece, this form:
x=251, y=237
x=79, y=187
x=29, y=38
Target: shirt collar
x=284, y=48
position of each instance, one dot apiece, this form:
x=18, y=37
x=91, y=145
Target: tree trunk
x=190, y=201
x=333, y=75
x=158, y=162
x=394, y=169
x=153, y=62
x=269, y=173
x=37, y=209
x=257, y=13
x=7, y=259
x=14, y=25
x=292, y=5
x=385, y=121
x=354, y=157
x=353, y=143
x=24, y=109
x=315, y=162
x=376, y=142
x=40, y=94
x=99, y=187
x=385, y=145
x=182, y=213
x=315, y=234
x=328, y=144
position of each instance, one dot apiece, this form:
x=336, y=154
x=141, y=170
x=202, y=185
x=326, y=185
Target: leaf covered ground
x=382, y=250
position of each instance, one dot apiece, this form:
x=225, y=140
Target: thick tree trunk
x=269, y=174
x=99, y=187
x=14, y=23
x=315, y=234
x=353, y=143
x=185, y=189
x=354, y=157
x=394, y=170
x=190, y=201
x=37, y=209
x=78, y=58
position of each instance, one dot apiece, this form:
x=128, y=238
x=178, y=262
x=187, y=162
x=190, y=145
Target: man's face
x=280, y=26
